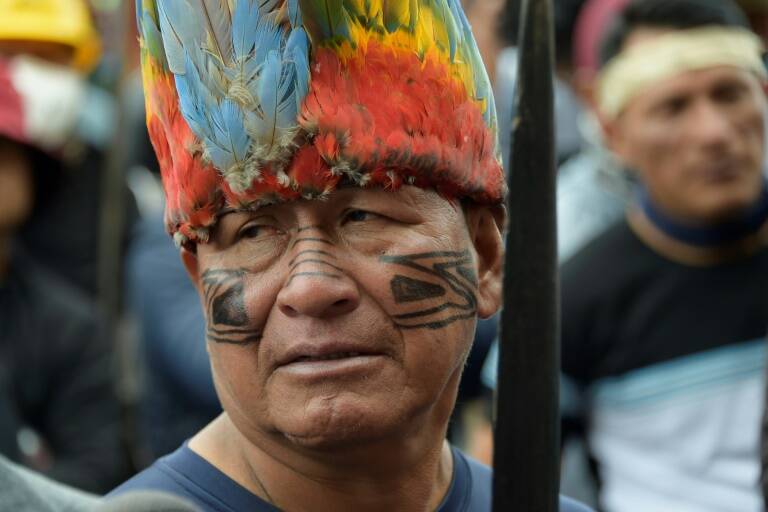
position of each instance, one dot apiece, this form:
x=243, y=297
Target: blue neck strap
x=708, y=236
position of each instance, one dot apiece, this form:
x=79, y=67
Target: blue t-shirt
x=186, y=474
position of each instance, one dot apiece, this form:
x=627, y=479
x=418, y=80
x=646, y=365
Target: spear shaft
x=527, y=429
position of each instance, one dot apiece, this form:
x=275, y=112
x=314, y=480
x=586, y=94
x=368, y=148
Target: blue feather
x=178, y=31
x=244, y=20
x=214, y=15
x=237, y=136
x=194, y=98
x=296, y=51
x=267, y=7
x=229, y=136
x=294, y=14
x=454, y=34
x=268, y=38
x=268, y=88
x=139, y=14
x=254, y=35
x=218, y=155
x=286, y=108
x=213, y=54
x=483, y=90
x=462, y=25
x=211, y=71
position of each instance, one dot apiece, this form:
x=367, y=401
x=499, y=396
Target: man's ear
x=192, y=265
x=583, y=84
x=613, y=136
x=485, y=225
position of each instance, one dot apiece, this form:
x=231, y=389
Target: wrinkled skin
x=696, y=141
x=398, y=278
x=412, y=381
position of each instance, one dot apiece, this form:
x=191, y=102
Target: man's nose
x=711, y=125
x=318, y=288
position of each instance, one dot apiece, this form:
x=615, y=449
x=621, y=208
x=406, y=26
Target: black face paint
x=228, y=320
x=312, y=258
x=446, y=278
x=407, y=289
x=314, y=252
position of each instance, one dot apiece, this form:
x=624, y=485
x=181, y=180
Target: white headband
x=646, y=64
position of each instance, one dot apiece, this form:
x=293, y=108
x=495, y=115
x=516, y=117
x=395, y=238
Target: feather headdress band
x=252, y=102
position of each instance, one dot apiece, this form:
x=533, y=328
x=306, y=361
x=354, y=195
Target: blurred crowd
x=663, y=243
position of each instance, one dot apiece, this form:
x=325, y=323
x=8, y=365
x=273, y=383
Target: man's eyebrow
x=248, y=214
x=221, y=229
x=729, y=83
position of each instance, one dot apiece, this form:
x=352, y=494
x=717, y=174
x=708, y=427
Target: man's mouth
x=329, y=357
x=325, y=350
x=330, y=360
x=722, y=171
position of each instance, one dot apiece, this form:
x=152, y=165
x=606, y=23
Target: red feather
x=386, y=113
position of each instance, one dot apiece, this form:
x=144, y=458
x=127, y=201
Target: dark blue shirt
x=186, y=474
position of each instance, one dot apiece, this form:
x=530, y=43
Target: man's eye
x=252, y=231
x=673, y=107
x=358, y=216
x=729, y=94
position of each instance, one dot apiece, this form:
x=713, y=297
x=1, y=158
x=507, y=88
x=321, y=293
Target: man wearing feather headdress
x=333, y=180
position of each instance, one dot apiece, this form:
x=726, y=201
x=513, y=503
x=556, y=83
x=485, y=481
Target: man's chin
x=336, y=424
x=725, y=209
x=723, y=203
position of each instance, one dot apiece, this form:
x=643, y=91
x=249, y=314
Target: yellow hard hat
x=66, y=22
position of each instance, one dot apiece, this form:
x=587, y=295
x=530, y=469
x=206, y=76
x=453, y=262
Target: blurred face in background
x=696, y=141
x=16, y=186
x=50, y=52
x=43, y=94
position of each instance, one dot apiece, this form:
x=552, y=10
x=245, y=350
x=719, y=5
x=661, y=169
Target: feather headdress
x=251, y=102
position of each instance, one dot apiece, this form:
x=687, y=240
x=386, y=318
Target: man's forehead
x=407, y=196
x=644, y=35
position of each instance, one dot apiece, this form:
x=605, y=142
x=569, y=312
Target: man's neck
x=690, y=254
x=406, y=476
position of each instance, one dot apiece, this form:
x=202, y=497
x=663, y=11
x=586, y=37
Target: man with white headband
x=664, y=316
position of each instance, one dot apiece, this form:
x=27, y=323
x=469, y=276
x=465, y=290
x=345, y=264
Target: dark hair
x=566, y=13
x=672, y=14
